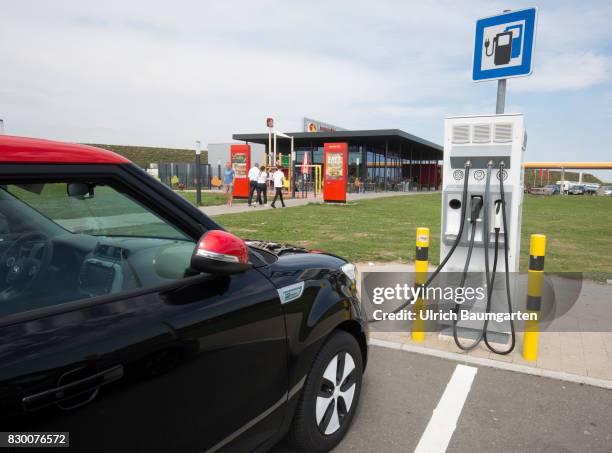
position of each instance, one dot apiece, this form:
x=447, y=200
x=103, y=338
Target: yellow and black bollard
x=537, y=252
x=420, y=266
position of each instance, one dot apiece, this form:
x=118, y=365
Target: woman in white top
x=262, y=186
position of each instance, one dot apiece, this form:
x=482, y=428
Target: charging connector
x=497, y=216
x=476, y=207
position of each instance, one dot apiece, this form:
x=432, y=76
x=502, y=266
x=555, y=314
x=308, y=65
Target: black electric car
x=133, y=322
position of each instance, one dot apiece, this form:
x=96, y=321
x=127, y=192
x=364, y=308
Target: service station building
x=378, y=160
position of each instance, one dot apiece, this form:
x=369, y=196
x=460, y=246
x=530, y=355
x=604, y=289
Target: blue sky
x=169, y=73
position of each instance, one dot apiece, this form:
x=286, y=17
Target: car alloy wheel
x=335, y=397
x=330, y=395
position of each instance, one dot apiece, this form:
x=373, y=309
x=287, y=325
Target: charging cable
x=501, y=206
x=486, y=44
x=475, y=214
x=499, y=221
x=485, y=237
x=468, y=165
x=466, y=175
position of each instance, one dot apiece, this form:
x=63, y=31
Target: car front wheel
x=330, y=395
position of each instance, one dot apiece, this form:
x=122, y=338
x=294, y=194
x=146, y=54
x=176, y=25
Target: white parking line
x=443, y=422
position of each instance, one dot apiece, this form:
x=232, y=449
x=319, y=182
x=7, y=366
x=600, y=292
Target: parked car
x=554, y=188
x=576, y=189
x=591, y=188
x=607, y=190
x=541, y=191
x=131, y=320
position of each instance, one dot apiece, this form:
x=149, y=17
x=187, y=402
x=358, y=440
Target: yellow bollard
x=537, y=252
x=420, y=265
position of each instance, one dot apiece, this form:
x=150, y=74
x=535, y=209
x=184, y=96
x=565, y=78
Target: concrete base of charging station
x=498, y=339
x=579, y=355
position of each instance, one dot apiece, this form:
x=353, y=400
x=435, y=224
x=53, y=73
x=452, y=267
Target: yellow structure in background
x=421, y=267
x=537, y=252
x=318, y=175
x=570, y=165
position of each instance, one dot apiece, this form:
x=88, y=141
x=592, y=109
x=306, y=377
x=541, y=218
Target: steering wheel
x=22, y=264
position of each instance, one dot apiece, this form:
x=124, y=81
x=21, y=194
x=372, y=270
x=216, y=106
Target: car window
x=106, y=213
x=57, y=248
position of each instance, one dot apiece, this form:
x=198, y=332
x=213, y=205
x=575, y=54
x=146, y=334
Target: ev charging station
x=482, y=198
x=471, y=145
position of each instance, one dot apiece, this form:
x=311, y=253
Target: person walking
x=253, y=175
x=278, y=176
x=228, y=182
x=262, y=186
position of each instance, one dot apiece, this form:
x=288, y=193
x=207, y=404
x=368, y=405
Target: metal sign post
x=270, y=125
x=293, y=173
x=501, y=96
x=198, y=175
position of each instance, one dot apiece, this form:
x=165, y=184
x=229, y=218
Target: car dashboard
x=85, y=266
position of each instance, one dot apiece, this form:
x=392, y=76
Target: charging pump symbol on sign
x=503, y=45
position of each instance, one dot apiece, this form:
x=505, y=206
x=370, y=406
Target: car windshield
x=102, y=212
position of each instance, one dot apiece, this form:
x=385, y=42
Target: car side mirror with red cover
x=220, y=252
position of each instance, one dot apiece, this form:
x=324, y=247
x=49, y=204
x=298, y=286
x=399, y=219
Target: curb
x=558, y=375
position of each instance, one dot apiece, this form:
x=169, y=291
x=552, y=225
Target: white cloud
x=569, y=71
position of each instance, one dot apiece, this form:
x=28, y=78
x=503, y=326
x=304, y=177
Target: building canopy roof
x=396, y=138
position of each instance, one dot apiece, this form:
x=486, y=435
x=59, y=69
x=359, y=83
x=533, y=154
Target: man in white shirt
x=262, y=186
x=253, y=175
x=278, y=176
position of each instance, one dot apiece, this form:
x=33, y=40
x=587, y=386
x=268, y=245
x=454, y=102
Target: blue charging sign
x=504, y=45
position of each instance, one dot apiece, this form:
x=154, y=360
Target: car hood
x=295, y=263
x=281, y=249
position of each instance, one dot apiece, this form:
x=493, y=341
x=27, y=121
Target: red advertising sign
x=335, y=166
x=270, y=122
x=241, y=161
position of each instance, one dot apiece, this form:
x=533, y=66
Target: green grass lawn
x=208, y=198
x=579, y=229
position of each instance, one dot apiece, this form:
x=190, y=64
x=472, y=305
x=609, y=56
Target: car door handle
x=88, y=384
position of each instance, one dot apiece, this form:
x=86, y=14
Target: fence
x=185, y=174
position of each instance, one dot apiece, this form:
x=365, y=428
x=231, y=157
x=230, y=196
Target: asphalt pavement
x=496, y=410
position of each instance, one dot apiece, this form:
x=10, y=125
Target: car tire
x=327, y=406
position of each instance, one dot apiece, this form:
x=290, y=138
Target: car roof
x=35, y=150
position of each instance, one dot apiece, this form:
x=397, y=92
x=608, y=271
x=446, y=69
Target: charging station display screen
x=503, y=40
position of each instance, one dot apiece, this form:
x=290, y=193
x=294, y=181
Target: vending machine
x=240, y=156
x=335, y=169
